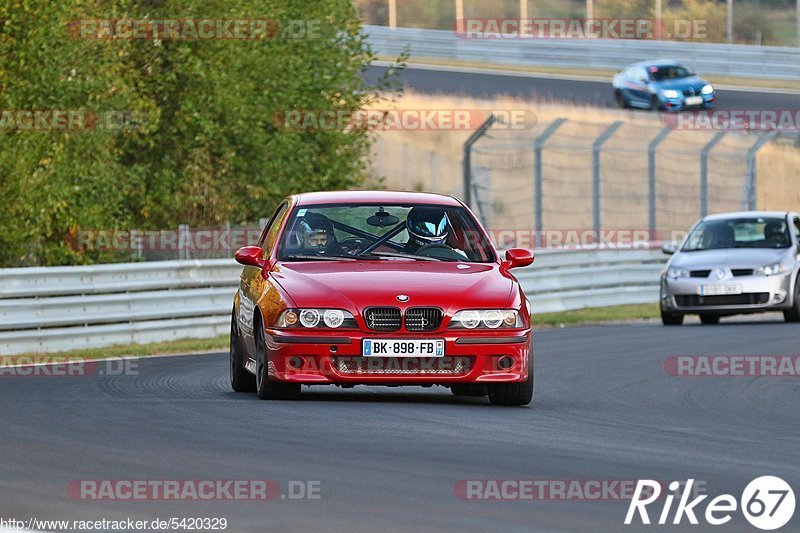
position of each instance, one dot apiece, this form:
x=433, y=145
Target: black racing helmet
x=428, y=225
x=773, y=230
x=315, y=224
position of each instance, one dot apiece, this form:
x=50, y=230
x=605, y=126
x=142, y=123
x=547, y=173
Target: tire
x=241, y=379
x=266, y=389
x=709, y=318
x=793, y=314
x=620, y=99
x=514, y=394
x=671, y=319
x=655, y=104
x=469, y=389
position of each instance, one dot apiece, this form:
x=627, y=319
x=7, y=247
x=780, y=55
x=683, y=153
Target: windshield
x=351, y=232
x=669, y=72
x=738, y=233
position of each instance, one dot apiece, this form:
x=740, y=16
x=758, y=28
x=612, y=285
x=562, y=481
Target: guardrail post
x=596, y=148
x=651, y=178
x=467, y=162
x=704, y=170
x=538, y=144
x=750, y=189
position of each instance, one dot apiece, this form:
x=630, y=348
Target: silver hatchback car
x=734, y=263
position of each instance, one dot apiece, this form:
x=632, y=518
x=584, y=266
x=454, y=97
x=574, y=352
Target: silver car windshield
x=738, y=233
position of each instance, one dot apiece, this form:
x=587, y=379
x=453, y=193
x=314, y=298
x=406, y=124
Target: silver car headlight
x=707, y=89
x=670, y=93
x=316, y=318
x=486, y=318
x=771, y=270
x=675, y=273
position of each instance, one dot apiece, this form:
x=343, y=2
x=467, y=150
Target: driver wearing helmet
x=427, y=226
x=774, y=233
x=315, y=233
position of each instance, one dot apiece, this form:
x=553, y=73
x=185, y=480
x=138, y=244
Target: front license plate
x=403, y=348
x=720, y=290
x=694, y=100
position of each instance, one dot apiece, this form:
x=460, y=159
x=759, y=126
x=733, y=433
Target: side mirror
x=250, y=256
x=669, y=248
x=518, y=257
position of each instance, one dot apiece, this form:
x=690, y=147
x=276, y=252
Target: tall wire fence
x=576, y=174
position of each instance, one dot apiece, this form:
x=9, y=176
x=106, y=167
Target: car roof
x=657, y=63
x=748, y=214
x=374, y=197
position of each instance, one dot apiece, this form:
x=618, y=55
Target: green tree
x=205, y=147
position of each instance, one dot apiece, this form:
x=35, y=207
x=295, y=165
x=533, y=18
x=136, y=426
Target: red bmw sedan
x=380, y=288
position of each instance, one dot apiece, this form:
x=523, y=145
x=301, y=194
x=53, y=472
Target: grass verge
x=182, y=346
x=590, y=315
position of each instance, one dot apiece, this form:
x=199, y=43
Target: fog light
x=505, y=362
x=779, y=297
x=296, y=362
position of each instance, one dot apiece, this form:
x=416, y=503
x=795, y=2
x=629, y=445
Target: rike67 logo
x=767, y=503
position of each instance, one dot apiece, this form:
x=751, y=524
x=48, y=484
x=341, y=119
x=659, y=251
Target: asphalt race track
x=599, y=93
x=388, y=459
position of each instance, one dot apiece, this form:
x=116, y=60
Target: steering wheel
x=440, y=251
x=353, y=244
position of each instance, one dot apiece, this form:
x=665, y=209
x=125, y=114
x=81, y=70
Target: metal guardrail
x=743, y=61
x=50, y=309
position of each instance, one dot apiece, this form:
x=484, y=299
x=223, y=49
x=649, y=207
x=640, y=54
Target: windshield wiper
x=404, y=256
x=301, y=257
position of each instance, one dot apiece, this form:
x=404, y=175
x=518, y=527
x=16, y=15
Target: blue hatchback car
x=662, y=84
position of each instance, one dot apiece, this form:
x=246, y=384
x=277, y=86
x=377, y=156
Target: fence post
x=750, y=188
x=651, y=179
x=704, y=170
x=467, y=162
x=538, y=179
x=184, y=238
x=596, y=148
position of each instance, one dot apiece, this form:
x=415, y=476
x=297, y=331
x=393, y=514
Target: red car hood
x=354, y=285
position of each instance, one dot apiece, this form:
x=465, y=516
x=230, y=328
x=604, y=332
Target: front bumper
x=469, y=357
x=758, y=294
x=679, y=104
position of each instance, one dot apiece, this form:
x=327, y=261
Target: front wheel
x=671, y=319
x=241, y=379
x=516, y=394
x=266, y=389
x=793, y=314
x=655, y=103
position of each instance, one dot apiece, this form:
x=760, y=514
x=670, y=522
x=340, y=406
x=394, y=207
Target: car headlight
x=486, y=318
x=676, y=273
x=670, y=93
x=707, y=89
x=315, y=318
x=771, y=270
